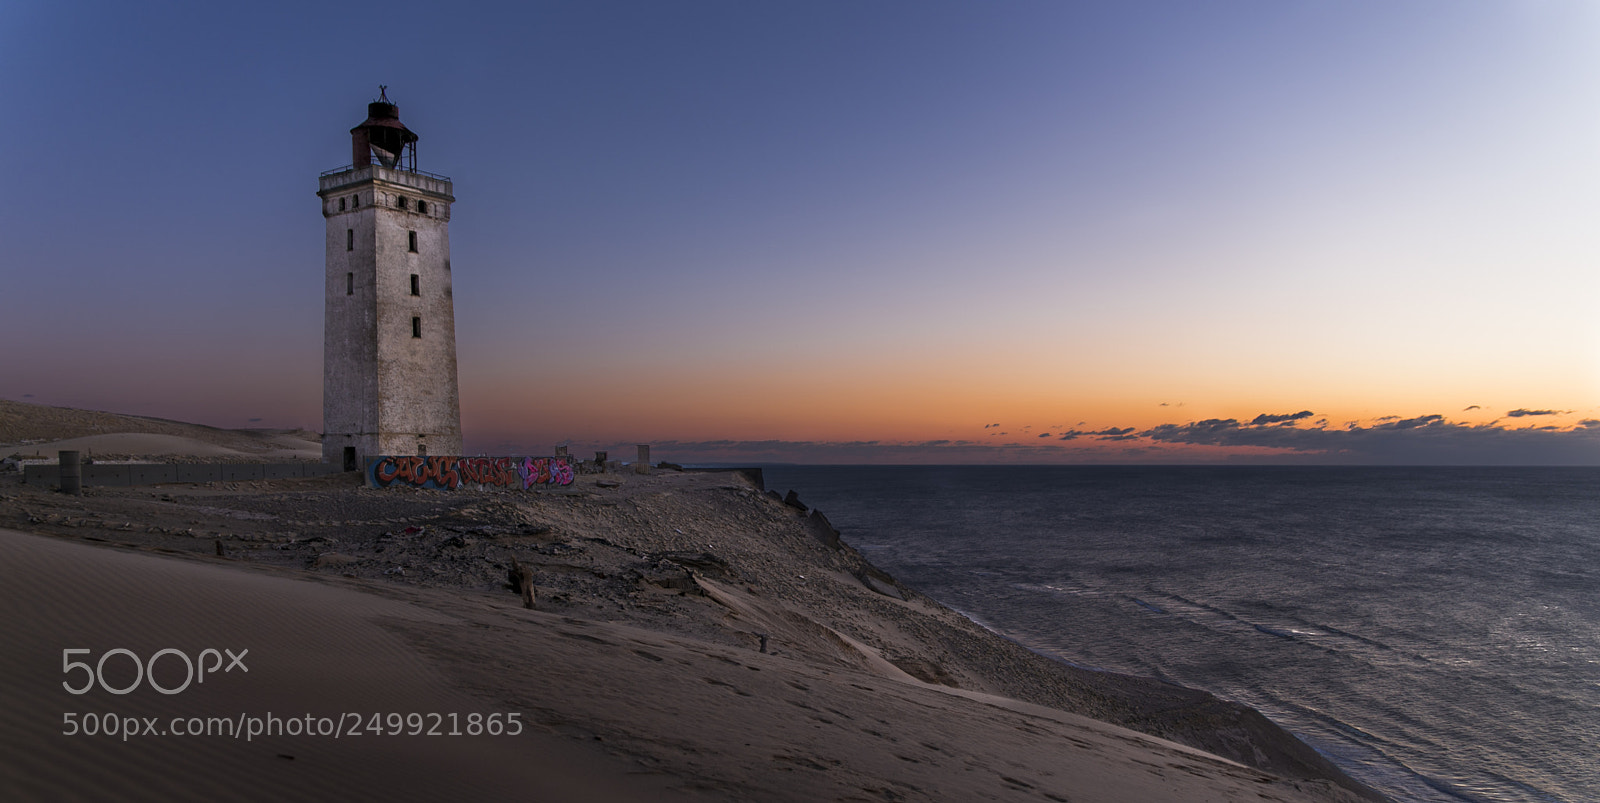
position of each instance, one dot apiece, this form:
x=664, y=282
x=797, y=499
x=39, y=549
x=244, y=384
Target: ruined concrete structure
x=389, y=338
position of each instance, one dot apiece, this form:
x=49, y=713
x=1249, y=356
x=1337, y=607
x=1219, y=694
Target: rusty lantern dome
x=382, y=138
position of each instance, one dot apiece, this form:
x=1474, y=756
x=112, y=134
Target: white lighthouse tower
x=389, y=338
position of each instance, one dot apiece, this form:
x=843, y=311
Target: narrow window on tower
x=341, y=204
x=355, y=201
x=416, y=327
x=422, y=207
x=349, y=239
x=413, y=240
x=402, y=202
x=416, y=285
x=349, y=284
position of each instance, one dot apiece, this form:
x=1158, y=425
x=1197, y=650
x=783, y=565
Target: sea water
x=1433, y=631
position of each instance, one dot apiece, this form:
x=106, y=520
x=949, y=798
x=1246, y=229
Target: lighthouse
x=389, y=334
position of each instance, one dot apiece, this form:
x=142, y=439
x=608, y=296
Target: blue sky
x=814, y=226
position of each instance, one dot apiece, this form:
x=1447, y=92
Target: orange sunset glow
x=871, y=255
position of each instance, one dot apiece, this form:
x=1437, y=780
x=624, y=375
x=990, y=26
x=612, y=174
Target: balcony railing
x=349, y=167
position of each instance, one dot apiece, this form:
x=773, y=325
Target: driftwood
x=521, y=579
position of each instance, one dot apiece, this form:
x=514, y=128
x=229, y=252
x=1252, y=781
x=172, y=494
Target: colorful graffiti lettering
x=454, y=472
x=497, y=471
x=546, y=471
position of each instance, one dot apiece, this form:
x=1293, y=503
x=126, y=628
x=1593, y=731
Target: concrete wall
x=450, y=472
x=418, y=407
x=384, y=390
x=124, y=474
x=349, y=335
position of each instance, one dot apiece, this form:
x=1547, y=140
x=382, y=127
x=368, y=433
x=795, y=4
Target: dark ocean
x=1433, y=631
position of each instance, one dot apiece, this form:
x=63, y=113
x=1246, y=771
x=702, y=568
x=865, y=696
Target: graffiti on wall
x=520, y=473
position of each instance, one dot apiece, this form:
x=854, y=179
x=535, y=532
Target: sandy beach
x=691, y=638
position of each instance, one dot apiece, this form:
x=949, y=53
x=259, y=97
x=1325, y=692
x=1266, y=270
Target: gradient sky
x=843, y=232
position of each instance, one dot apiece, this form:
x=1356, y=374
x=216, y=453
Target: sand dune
x=685, y=719
x=642, y=674
x=158, y=445
x=312, y=649
x=41, y=429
